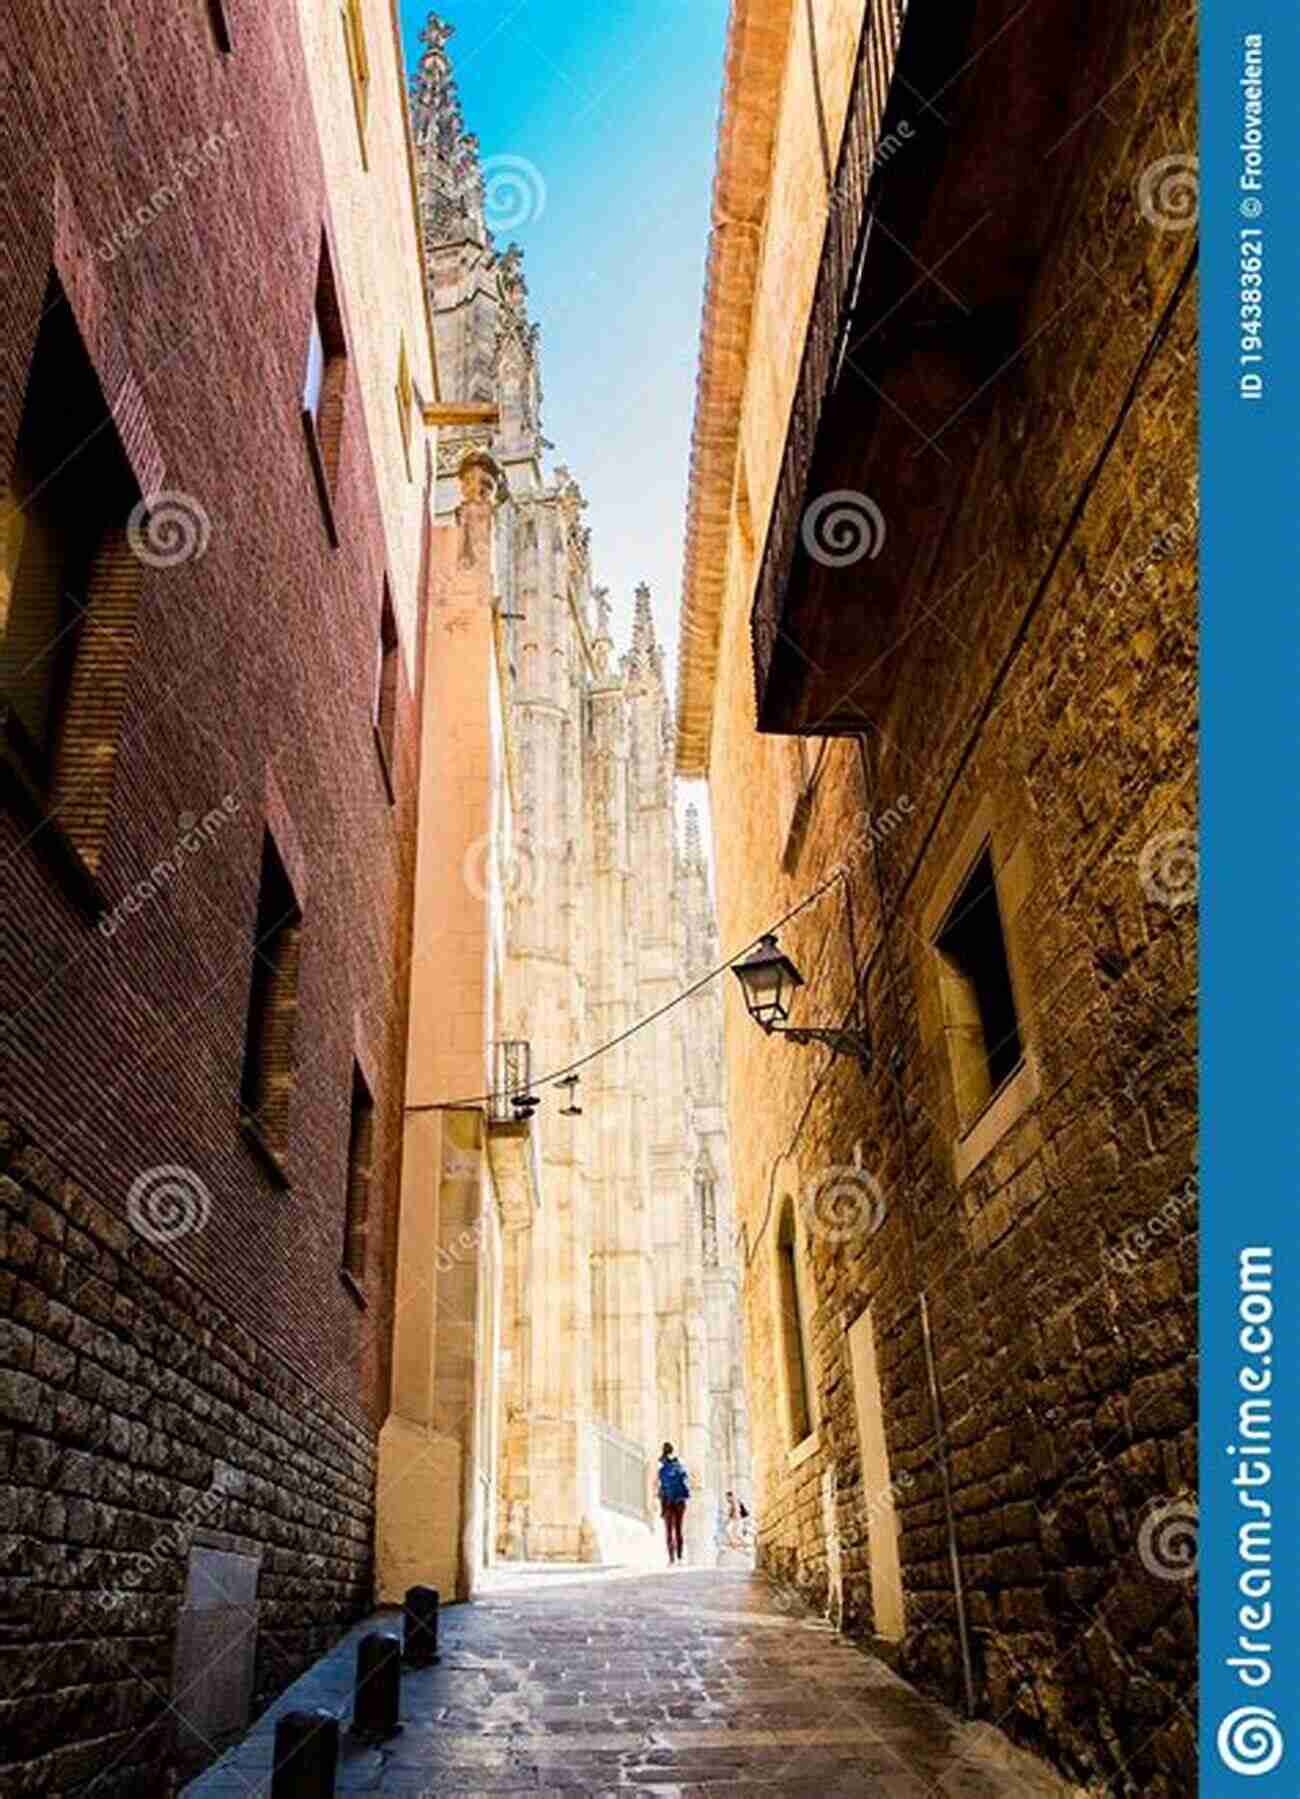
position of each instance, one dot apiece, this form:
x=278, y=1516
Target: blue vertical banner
x=1250, y=898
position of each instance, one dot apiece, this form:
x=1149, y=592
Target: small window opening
x=324, y=382
x=361, y=1144
x=267, y=1084
x=980, y=1018
x=354, y=34
x=386, y=683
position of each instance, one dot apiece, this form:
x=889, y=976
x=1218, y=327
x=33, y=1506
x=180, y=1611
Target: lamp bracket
x=842, y=1041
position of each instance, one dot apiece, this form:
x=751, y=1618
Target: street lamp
x=768, y=979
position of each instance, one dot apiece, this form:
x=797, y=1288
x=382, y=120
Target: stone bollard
x=420, y=1617
x=377, y=1702
x=306, y=1756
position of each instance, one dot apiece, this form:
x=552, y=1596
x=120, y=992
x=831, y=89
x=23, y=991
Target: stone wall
x=1042, y=688
x=138, y=1417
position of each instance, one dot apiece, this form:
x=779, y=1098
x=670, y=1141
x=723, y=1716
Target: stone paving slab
x=689, y=1683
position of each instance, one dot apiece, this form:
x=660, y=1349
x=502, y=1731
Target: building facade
x=938, y=665
x=214, y=527
x=617, y=1300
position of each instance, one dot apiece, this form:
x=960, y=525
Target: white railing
x=624, y=1478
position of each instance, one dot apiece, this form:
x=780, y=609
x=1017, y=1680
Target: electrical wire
x=484, y=1099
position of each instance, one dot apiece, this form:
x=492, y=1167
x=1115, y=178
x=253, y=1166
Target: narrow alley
x=599, y=902
x=691, y=1683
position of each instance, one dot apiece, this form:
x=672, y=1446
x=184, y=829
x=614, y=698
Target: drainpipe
x=941, y=1445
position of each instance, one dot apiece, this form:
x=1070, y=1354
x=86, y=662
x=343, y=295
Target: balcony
x=928, y=265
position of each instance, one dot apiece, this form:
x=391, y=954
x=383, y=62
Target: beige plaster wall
x=379, y=270
x=793, y=230
x=438, y=1439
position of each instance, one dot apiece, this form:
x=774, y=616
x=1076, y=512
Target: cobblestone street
x=690, y=1683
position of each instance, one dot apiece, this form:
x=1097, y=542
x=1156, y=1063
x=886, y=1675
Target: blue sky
x=615, y=104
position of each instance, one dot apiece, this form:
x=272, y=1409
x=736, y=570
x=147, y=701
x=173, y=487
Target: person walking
x=734, y=1527
x=674, y=1491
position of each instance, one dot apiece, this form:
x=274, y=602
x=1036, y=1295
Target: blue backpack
x=672, y=1482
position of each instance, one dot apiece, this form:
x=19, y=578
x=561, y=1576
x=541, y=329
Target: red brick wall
x=252, y=673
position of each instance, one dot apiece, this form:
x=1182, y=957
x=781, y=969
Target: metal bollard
x=377, y=1702
x=420, y=1617
x=306, y=1756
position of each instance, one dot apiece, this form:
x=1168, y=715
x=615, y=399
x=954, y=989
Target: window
x=217, y=12
x=69, y=588
x=405, y=402
x=791, y=1329
x=324, y=382
x=979, y=1006
x=386, y=683
x=315, y=382
x=266, y=1089
x=354, y=35
x=361, y=1148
